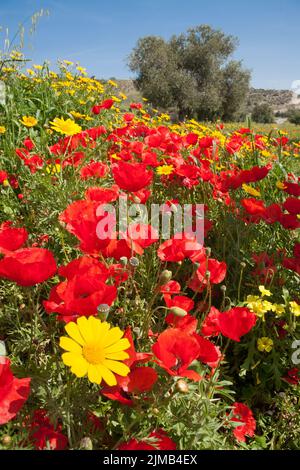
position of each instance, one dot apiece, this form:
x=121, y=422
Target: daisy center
x=93, y=353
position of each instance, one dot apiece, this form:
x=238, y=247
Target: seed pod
x=103, y=310
x=179, y=312
x=86, y=443
x=134, y=261
x=6, y=440
x=182, y=386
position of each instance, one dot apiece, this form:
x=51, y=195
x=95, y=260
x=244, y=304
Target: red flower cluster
x=157, y=440
x=83, y=290
x=45, y=435
x=25, y=266
x=243, y=414
x=13, y=392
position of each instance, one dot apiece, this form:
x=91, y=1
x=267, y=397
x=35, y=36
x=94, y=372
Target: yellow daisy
x=165, y=170
x=252, y=191
x=65, y=126
x=95, y=349
x=28, y=121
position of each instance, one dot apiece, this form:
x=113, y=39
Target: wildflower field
x=122, y=338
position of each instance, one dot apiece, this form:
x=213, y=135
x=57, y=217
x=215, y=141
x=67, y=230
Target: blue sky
x=101, y=33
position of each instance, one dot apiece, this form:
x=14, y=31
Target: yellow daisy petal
x=73, y=331
x=100, y=329
x=117, y=356
x=107, y=375
x=85, y=329
x=119, y=346
x=69, y=345
x=69, y=358
x=117, y=367
x=79, y=366
x=114, y=335
x=94, y=374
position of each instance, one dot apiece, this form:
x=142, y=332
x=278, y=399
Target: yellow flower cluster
x=260, y=306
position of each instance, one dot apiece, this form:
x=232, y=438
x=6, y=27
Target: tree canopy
x=192, y=73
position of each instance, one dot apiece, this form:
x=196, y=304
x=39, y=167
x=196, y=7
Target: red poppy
x=177, y=249
x=131, y=176
x=159, y=440
x=28, y=266
x=209, y=353
x=44, y=435
x=180, y=301
x=201, y=278
x=236, y=322
x=28, y=144
x=188, y=323
x=254, y=206
x=243, y=414
x=293, y=263
x=93, y=170
x=176, y=350
x=136, y=105
x=210, y=325
x=11, y=238
x=13, y=392
x=140, y=379
x=171, y=287
x=293, y=376
x=83, y=290
x=3, y=176
x=292, y=205
x=292, y=188
x=290, y=221
x=82, y=221
x=102, y=195
x=106, y=104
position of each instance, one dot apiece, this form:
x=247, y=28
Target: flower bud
x=6, y=440
x=182, y=386
x=124, y=260
x=179, y=312
x=86, y=444
x=165, y=277
x=103, y=311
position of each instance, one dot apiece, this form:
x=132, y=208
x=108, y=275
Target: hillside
x=279, y=100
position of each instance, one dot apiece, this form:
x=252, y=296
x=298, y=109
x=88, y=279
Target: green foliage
x=192, y=73
x=263, y=113
x=294, y=116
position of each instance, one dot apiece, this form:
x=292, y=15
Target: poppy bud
x=6, y=440
x=124, y=260
x=165, y=277
x=86, y=443
x=182, y=386
x=208, y=251
x=223, y=288
x=179, y=312
x=243, y=264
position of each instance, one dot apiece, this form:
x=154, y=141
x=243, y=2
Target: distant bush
x=294, y=116
x=263, y=113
